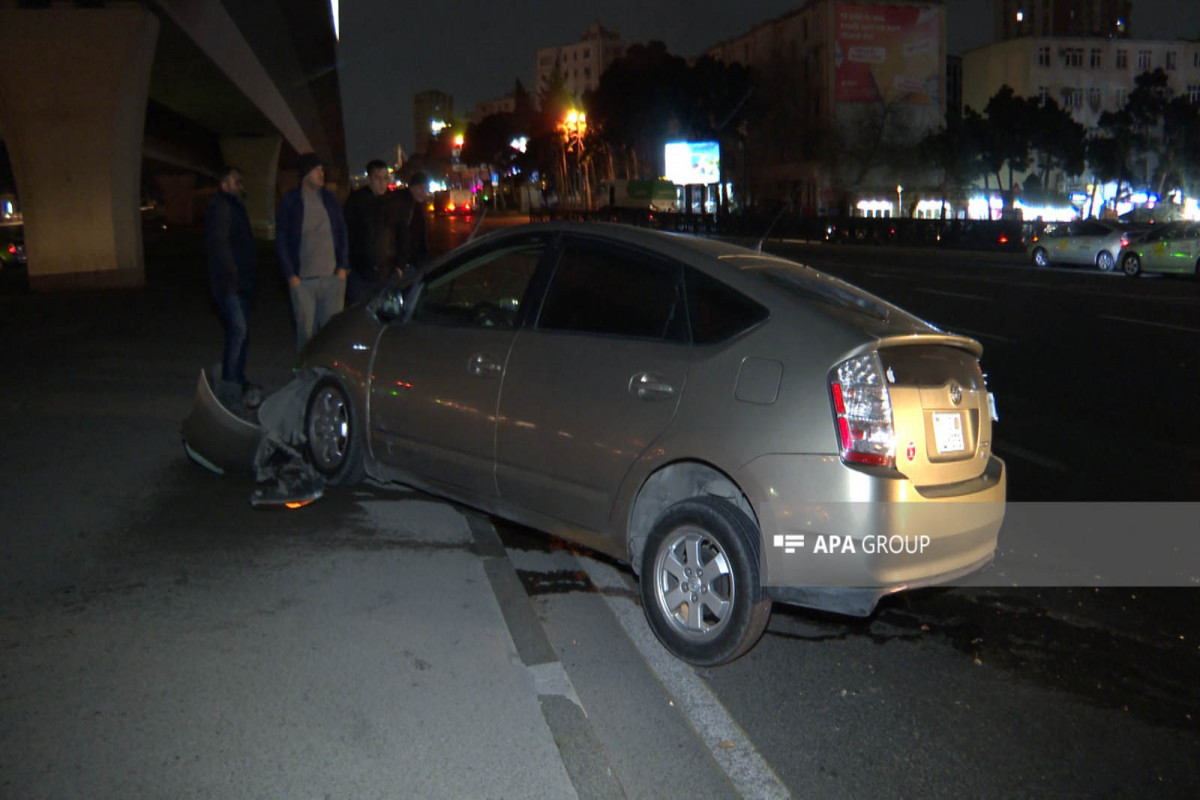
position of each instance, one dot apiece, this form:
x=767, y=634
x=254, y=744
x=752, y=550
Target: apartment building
x=852, y=73
x=1070, y=18
x=1088, y=75
x=431, y=108
x=582, y=63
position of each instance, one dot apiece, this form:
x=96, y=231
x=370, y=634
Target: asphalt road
x=161, y=638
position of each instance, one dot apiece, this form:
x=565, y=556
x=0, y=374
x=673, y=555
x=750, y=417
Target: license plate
x=948, y=433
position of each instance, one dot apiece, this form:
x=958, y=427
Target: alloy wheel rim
x=694, y=584
x=328, y=429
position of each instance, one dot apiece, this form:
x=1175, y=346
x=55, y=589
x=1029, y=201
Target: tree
x=953, y=151
x=1057, y=141
x=1010, y=122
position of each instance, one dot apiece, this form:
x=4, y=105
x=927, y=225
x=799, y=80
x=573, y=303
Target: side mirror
x=388, y=304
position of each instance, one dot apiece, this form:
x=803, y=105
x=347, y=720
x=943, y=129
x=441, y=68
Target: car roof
x=773, y=280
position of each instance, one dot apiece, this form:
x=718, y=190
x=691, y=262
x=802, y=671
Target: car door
x=1158, y=247
x=593, y=383
x=1178, y=249
x=437, y=376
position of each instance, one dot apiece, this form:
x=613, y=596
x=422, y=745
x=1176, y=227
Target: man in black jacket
x=232, y=270
x=371, y=226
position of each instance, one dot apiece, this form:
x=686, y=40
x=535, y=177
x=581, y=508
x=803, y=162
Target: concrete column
x=73, y=87
x=258, y=159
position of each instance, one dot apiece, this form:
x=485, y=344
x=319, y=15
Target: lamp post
x=574, y=128
x=899, y=200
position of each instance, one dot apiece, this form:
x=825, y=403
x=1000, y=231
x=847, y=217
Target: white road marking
x=1151, y=324
x=551, y=680
x=1031, y=457
x=955, y=294
x=728, y=743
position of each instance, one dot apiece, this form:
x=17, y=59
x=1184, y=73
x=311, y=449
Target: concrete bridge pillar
x=73, y=88
x=258, y=159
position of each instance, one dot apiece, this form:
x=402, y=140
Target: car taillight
x=449, y=206
x=1124, y=241
x=864, y=412
x=12, y=249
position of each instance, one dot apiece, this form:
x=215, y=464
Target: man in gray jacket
x=311, y=243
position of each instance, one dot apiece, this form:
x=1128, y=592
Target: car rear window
x=827, y=291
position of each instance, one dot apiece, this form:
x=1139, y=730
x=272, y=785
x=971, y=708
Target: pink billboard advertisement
x=889, y=54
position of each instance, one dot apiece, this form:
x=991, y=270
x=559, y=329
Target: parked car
x=1170, y=247
x=455, y=202
x=1084, y=241
x=12, y=248
x=740, y=428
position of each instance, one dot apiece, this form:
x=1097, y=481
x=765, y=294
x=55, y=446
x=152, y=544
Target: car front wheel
x=1040, y=259
x=1105, y=261
x=700, y=582
x=333, y=438
x=1132, y=265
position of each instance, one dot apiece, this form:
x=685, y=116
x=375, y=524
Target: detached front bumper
x=216, y=438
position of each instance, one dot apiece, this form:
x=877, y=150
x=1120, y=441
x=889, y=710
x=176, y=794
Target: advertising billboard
x=889, y=54
x=693, y=162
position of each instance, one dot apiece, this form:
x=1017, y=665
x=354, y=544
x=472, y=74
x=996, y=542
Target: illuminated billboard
x=889, y=54
x=693, y=162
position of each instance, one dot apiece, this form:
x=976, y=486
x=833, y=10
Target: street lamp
x=573, y=128
x=899, y=200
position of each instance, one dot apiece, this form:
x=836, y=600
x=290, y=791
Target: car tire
x=1105, y=261
x=1131, y=265
x=1040, y=258
x=693, y=537
x=333, y=441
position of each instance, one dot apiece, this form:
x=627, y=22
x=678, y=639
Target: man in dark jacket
x=232, y=270
x=412, y=249
x=372, y=225
x=310, y=241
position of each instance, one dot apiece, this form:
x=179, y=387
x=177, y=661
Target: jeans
x=235, y=311
x=314, y=302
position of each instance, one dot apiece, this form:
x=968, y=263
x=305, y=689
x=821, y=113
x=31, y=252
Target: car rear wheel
x=1040, y=259
x=700, y=582
x=333, y=439
x=1105, y=261
x=1132, y=265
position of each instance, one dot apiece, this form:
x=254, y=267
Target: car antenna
x=758, y=247
x=478, y=222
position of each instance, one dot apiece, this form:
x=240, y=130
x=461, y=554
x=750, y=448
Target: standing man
x=232, y=270
x=310, y=241
x=372, y=227
x=410, y=208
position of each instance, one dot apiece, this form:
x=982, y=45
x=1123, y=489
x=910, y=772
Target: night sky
x=476, y=49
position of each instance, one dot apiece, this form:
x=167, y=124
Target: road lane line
x=725, y=740
x=1030, y=456
x=1151, y=324
x=955, y=294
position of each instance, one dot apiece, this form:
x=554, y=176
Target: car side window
x=718, y=312
x=485, y=291
x=616, y=293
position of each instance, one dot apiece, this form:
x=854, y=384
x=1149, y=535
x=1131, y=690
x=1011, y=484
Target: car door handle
x=648, y=386
x=482, y=366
